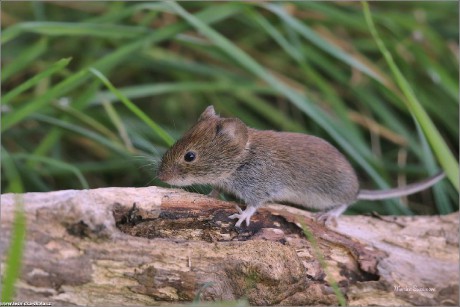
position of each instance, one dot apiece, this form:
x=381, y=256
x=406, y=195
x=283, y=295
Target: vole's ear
x=208, y=113
x=233, y=129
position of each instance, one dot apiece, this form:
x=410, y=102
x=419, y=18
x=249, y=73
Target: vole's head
x=207, y=153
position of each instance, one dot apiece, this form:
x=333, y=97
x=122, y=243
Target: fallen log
x=152, y=246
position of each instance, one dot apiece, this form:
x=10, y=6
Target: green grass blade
x=13, y=262
x=294, y=52
x=88, y=121
x=118, y=123
x=209, y=15
x=55, y=67
x=82, y=131
x=30, y=108
x=68, y=84
x=53, y=136
x=309, y=34
x=174, y=62
x=310, y=75
x=444, y=155
x=105, y=31
x=269, y=112
x=319, y=256
x=115, y=14
x=133, y=108
x=146, y=90
x=443, y=204
x=24, y=59
x=55, y=163
x=11, y=173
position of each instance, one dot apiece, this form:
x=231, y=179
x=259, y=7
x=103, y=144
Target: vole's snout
x=162, y=176
x=167, y=174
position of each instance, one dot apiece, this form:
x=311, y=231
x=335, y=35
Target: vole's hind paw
x=243, y=215
x=326, y=219
x=329, y=218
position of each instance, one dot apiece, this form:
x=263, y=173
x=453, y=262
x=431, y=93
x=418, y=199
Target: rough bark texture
x=95, y=247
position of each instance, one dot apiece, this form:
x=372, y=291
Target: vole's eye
x=189, y=156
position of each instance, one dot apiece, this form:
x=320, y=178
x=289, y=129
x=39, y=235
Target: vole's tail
x=398, y=192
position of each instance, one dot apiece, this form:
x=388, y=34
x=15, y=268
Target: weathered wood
x=93, y=247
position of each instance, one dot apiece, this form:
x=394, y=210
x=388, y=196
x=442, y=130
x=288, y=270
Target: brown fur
x=266, y=166
x=261, y=166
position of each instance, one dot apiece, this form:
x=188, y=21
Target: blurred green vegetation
x=311, y=67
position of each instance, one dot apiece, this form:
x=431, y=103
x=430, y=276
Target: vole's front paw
x=243, y=215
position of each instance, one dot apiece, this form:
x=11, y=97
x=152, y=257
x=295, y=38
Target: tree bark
x=152, y=246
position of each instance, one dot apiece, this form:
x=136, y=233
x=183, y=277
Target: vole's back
x=292, y=167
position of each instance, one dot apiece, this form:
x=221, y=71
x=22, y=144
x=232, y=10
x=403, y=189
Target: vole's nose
x=163, y=175
x=166, y=174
